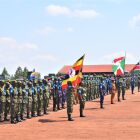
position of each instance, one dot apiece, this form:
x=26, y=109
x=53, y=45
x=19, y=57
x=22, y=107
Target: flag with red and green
x=119, y=66
x=136, y=69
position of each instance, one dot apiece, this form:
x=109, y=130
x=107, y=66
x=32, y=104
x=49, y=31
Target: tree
x=18, y=73
x=25, y=72
x=12, y=77
x=5, y=74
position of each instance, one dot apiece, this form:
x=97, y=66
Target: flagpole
x=125, y=63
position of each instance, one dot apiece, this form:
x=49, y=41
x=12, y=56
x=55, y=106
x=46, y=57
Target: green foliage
x=25, y=72
x=5, y=73
x=18, y=73
x=21, y=74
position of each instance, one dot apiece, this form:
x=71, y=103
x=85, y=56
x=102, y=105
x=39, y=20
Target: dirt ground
x=120, y=121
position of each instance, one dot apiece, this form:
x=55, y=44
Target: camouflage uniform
x=35, y=99
x=2, y=101
x=123, y=89
x=29, y=102
x=46, y=95
x=55, y=95
x=82, y=98
x=119, y=88
x=24, y=101
x=14, y=102
x=139, y=84
x=70, y=96
x=40, y=98
x=88, y=90
x=19, y=101
x=8, y=102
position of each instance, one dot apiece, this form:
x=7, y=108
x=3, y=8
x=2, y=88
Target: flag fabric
x=136, y=68
x=119, y=66
x=74, y=74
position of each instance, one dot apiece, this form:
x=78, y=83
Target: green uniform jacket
x=2, y=95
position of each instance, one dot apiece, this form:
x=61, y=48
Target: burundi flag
x=74, y=74
x=118, y=66
x=136, y=68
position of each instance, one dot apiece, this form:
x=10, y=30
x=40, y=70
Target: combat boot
x=13, y=122
x=1, y=119
x=119, y=100
x=81, y=113
x=123, y=98
x=22, y=118
x=101, y=106
x=5, y=119
x=29, y=116
x=18, y=119
x=70, y=118
x=54, y=109
x=45, y=112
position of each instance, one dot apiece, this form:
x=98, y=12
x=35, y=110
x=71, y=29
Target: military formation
x=21, y=100
x=93, y=87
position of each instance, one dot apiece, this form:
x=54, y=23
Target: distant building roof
x=97, y=68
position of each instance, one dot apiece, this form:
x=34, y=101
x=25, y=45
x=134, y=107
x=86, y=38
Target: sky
x=45, y=35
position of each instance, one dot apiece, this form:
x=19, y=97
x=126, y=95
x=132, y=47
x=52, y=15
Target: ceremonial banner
x=136, y=68
x=118, y=66
x=74, y=74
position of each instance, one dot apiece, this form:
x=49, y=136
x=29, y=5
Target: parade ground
x=120, y=121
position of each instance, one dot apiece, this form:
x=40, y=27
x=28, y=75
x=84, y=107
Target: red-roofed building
x=97, y=69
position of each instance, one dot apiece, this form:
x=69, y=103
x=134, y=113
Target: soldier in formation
x=123, y=88
x=132, y=84
x=102, y=93
x=139, y=83
x=82, y=92
x=2, y=101
x=20, y=100
x=118, y=83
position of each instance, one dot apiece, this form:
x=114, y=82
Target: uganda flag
x=74, y=74
x=118, y=66
x=136, y=68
